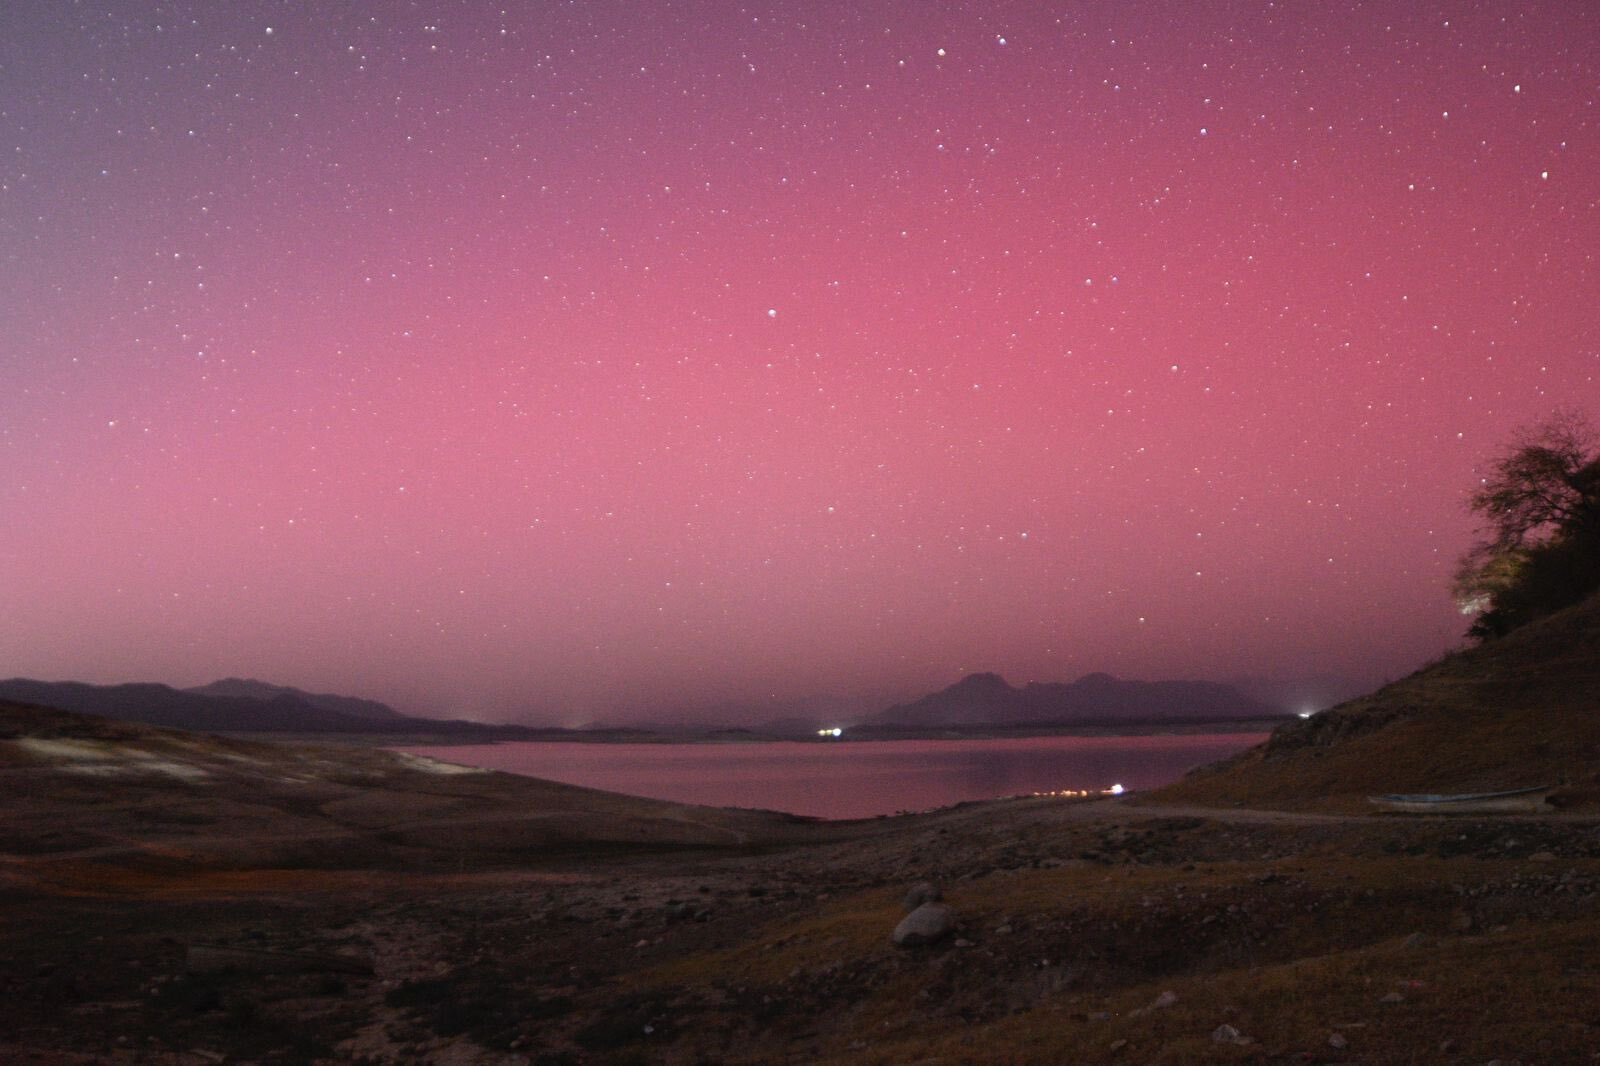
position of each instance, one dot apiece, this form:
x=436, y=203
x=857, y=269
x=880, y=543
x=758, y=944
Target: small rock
x=1226, y=1034
x=920, y=893
x=928, y=924
x=1460, y=922
x=1161, y=1002
x=1415, y=940
x=1542, y=856
x=1118, y=1045
x=1393, y=997
x=961, y=942
x=1338, y=1042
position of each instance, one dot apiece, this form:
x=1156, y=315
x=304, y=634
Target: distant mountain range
x=238, y=706
x=977, y=702
x=249, y=688
x=1095, y=699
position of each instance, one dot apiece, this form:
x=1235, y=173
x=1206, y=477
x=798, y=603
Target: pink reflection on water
x=846, y=779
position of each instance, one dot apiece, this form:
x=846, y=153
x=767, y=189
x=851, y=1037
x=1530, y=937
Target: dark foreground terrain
x=173, y=898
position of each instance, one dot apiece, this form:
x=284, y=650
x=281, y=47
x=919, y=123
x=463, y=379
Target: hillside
x=249, y=688
x=170, y=708
x=235, y=706
x=1522, y=710
x=78, y=786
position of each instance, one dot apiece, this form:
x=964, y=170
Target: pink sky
x=567, y=363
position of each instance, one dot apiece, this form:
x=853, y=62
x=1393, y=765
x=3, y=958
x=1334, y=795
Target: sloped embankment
x=1524, y=710
x=87, y=788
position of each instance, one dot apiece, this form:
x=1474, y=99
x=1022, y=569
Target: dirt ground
x=1085, y=931
x=174, y=898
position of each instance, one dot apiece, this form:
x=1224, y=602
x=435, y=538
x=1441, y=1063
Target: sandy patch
x=102, y=759
x=56, y=749
x=435, y=766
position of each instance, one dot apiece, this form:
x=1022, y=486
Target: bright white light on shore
x=1082, y=793
x=834, y=731
x=1306, y=714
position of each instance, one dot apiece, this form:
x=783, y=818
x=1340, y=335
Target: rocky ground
x=171, y=898
x=1099, y=931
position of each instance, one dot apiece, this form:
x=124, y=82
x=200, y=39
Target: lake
x=856, y=779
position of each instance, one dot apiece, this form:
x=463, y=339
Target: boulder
x=1227, y=1034
x=1161, y=1002
x=928, y=924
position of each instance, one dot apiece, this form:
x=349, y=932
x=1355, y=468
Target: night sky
x=584, y=359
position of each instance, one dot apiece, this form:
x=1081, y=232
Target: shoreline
x=860, y=734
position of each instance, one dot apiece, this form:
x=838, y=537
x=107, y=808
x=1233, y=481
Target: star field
x=576, y=359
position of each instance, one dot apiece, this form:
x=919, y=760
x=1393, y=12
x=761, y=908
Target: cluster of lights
x=1079, y=793
x=832, y=732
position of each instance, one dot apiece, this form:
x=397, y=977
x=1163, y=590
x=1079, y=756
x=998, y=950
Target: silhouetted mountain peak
x=986, y=699
x=250, y=689
x=982, y=682
x=983, y=697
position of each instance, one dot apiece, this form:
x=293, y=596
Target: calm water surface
x=850, y=779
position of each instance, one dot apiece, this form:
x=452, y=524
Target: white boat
x=1510, y=801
